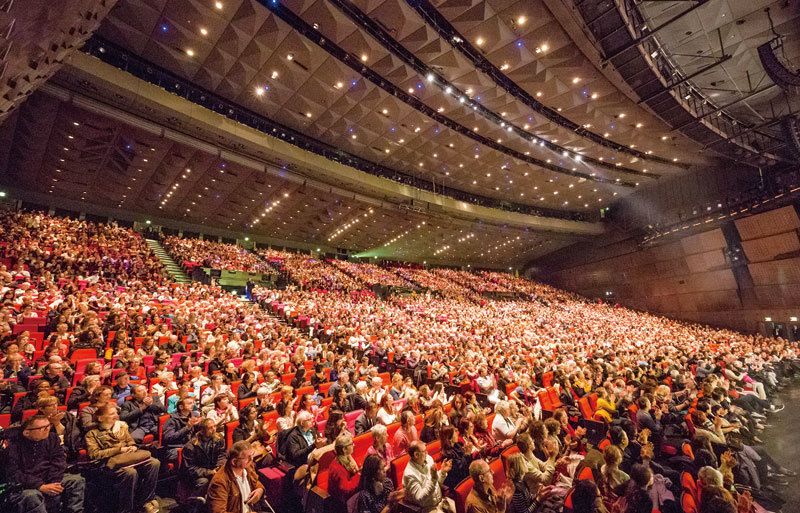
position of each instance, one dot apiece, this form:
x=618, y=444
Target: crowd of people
x=113, y=386
x=216, y=255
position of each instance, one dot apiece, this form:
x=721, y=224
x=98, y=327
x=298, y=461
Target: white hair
x=710, y=476
x=361, y=386
x=379, y=430
x=302, y=417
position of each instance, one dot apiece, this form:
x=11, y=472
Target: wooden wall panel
x=767, y=248
x=703, y=242
x=708, y=260
x=776, y=272
x=769, y=223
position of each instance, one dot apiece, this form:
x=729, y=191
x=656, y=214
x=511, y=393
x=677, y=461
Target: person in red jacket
x=343, y=474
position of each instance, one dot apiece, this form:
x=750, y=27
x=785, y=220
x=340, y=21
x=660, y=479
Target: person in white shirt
x=217, y=387
x=503, y=428
x=423, y=482
x=238, y=472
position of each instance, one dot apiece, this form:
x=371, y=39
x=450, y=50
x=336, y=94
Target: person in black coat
x=28, y=401
x=453, y=450
x=35, y=459
x=367, y=419
x=179, y=427
x=203, y=456
x=141, y=413
x=302, y=439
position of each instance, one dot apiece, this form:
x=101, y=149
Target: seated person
x=36, y=460
x=177, y=430
x=302, y=439
x=141, y=413
x=134, y=485
x=235, y=487
x=203, y=456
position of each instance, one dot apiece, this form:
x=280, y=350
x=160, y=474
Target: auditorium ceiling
x=249, y=53
x=736, y=28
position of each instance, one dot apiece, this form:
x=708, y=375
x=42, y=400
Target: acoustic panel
x=767, y=248
x=769, y=223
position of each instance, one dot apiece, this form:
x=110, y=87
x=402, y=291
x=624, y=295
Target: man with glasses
x=423, y=482
x=483, y=498
x=235, y=488
x=36, y=461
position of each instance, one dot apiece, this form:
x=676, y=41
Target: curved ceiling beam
x=360, y=18
x=448, y=33
x=351, y=61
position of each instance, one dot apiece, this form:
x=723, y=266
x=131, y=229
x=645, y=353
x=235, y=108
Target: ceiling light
x=639, y=125
x=308, y=114
x=521, y=20
x=190, y=52
x=430, y=77
x=410, y=90
x=386, y=150
x=594, y=96
x=364, y=57
x=479, y=41
x=545, y=47
x=576, y=80
x=204, y=31
x=274, y=74
x=504, y=66
x=339, y=85
x=538, y=94
x=621, y=114
x=289, y=57
x=385, y=111
x=259, y=91
x=218, y=5
x=664, y=137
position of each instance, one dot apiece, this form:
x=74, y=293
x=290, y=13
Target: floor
x=783, y=443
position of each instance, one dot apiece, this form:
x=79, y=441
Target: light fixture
x=545, y=47
x=274, y=74
x=218, y=5
x=204, y=31
x=576, y=80
x=639, y=125
x=594, y=96
x=621, y=115
x=190, y=52
x=308, y=114
x=385, y=111
x=521, y=20
x=430, y=77
x=339, y=85
x=259, y=91
x=538, y=94
x=479, y=41
x=363, y=57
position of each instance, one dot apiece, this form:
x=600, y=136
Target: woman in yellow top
x=606, y=404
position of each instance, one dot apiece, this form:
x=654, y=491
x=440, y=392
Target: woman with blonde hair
x=381, y=445
x=522, y=482
x=614, y=479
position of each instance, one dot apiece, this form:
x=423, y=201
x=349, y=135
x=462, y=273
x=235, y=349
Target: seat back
x=689, y=485
x=435, y=450
x=513, y=449
x=162, y=419
x=585, y=407
x=361, y=445
x=397, y=468
x=593, y=401
x=350, y=418
x=499, y=473
x=688, y=503
x=229, y=427
x=461, y=492
x=586, y=473
x=324, y=468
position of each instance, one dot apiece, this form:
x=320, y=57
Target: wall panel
x=769, y=223
x=767, y=248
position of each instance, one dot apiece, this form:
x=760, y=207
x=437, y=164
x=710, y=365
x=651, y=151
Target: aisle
x=783, y=443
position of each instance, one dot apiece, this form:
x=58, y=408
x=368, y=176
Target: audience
x=653, y=386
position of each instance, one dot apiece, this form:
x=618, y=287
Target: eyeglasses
x=46, y=426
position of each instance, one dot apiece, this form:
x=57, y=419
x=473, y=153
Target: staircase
x=174, y=270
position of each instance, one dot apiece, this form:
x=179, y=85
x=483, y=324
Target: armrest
x=407, y=507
